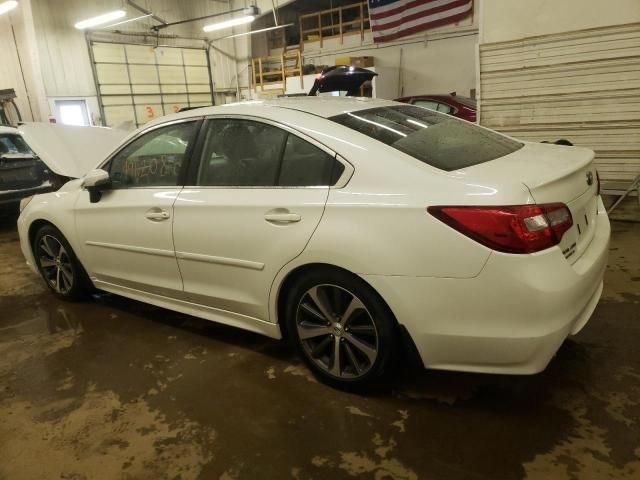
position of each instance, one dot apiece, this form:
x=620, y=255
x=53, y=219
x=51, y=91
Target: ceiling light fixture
x=128, y=20
x=229, y=23
x=268, y=29
x=8, y=6
x=100, y=19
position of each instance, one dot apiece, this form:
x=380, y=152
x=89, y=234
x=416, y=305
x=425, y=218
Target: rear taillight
x=598, y=180
x=510, y=229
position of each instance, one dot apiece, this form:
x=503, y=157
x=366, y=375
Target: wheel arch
x=37, y=225
x=42, y=221
x=296, y=273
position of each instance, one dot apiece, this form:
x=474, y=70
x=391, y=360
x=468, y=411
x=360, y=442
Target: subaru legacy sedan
x=359, y=229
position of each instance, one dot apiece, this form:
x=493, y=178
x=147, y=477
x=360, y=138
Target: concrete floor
x=117, y=389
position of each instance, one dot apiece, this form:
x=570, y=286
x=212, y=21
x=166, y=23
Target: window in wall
x=72, y=112
x=154, y=159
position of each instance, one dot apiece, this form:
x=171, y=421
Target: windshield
x=438, y=140
x=11, y=143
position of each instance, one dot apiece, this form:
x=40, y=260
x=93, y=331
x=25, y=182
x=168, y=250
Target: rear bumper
x=511, y=318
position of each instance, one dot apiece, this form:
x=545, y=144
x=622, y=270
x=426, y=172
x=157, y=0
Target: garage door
x=583, y=86
x=140, y=82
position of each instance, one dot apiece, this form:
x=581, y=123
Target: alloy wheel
x=336, y=331
x=55, y=263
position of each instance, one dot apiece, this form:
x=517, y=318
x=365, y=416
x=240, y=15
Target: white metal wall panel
x=140, y=82
x=582, y=85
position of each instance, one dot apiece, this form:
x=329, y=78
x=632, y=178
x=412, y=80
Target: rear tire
x=59, y=266
x=343, y=330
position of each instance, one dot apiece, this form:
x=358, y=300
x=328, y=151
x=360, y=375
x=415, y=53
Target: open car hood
x=341, y=79
x=71, y=151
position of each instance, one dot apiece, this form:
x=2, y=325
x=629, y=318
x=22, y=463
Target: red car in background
x=452, y=104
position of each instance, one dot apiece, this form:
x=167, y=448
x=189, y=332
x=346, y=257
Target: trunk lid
x=552, y=174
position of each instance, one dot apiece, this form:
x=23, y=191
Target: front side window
x=244, y=153
x=154, y=159
x=438, y=140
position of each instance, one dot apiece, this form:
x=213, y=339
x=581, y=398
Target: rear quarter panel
x=378, y=223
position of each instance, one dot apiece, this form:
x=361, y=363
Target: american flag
x=392, y=19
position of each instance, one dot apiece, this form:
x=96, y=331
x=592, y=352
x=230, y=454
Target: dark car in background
x=452, y=104
x=22, y=173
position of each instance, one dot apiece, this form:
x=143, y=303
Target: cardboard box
x=355, y=61
x=362, y=62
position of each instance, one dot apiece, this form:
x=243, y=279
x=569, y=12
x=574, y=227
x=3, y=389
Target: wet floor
x=115, y=389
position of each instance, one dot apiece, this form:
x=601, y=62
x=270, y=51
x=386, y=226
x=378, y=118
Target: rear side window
x=305, y=165
x=244, y=153
x=241, y=153
x=435, y=139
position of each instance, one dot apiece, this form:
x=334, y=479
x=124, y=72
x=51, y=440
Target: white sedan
x=359, y=229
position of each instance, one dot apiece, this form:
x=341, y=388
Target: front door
x=256, y=198
x=127, y=235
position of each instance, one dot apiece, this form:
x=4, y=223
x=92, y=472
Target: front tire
x=59, y=266
x=343, y=330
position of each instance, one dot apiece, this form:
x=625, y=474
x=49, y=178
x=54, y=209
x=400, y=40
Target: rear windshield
x=469, y=102
x=438, y=140
x=11, y=143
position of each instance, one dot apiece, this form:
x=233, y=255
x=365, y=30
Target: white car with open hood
x=360, y=229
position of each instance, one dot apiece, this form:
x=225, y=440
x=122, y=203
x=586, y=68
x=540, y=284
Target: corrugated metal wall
x=582, y=85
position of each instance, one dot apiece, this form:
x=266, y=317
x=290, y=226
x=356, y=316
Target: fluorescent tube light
x=128, y=20
x=8, y=6
x=100, y=19
x=256, y=31
x=229, y=23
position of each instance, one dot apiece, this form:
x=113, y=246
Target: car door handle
x=282, y=217
x=157, y=215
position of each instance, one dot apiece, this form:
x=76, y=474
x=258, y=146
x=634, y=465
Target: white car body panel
x=465, y=306
x=227, y=250
x=68, y=150
x=138, y=253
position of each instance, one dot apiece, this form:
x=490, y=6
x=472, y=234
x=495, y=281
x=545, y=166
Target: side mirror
x=96, y=181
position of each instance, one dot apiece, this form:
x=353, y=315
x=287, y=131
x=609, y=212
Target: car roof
x=322, y=106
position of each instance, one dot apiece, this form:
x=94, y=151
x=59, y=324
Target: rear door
x=255, y=199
